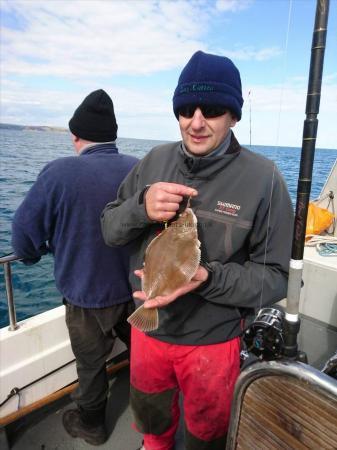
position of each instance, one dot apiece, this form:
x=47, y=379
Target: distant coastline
x=9, y=126
x=45, y=128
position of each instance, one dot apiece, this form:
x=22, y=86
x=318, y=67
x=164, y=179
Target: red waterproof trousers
x=204, y=374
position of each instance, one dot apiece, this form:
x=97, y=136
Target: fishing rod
x=291, y=323
x=274, y=334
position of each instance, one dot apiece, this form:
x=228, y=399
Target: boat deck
x=43, y=429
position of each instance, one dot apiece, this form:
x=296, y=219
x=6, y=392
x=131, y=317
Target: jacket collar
x=104, y=147
x=206, y=166
x=219, y=151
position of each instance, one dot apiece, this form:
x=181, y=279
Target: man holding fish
x=209, y=223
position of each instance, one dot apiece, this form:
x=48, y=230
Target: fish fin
x=190, y=267
x=144, y=319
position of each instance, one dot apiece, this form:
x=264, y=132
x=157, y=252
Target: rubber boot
x=86, y=424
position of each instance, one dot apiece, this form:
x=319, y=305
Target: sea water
x=23, y=154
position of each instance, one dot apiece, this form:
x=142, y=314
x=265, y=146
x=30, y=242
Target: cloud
x=99, y=38
x=278, y=113
x=54, y=107
x=330, y=78
x=56, y=52
x=249, y=53
x=233, y=5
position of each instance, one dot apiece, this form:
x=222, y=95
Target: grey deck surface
x=44, y=430
x=318, y=340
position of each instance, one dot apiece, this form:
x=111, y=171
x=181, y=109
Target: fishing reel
x=264, y=336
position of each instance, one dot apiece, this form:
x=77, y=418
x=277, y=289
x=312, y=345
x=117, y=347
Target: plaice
x=171, y=261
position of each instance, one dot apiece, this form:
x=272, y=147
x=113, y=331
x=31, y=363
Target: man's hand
x=162, y=200
x=199, y=278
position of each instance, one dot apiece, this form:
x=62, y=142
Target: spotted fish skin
x=171, y=261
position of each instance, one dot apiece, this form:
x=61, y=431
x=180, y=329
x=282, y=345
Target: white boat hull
x=38, y=347
x=319, y=293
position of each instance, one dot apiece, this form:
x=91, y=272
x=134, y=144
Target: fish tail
x=144, y=319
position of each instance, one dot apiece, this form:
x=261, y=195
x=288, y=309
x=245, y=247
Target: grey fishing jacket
x=245, y=221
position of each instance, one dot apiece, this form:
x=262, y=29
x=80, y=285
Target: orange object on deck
x=318, y=220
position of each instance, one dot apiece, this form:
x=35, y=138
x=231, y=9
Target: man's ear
x=76, y=143
x=233, y=121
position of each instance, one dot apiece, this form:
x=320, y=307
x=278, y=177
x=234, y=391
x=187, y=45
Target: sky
x=54, y=53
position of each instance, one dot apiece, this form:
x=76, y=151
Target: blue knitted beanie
x=209, y=80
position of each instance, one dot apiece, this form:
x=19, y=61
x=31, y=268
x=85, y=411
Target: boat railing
x=6, y=261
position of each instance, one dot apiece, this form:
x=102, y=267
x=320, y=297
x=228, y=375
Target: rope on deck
x=325, y=245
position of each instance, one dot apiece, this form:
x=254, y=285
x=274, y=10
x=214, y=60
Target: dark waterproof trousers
x=92, y=335
x=205, y=375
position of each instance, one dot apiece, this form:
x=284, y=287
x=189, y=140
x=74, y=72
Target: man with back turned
x=61, y=215
x=245, y=217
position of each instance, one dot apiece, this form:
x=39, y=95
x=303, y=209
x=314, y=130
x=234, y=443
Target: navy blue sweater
x=61, y=215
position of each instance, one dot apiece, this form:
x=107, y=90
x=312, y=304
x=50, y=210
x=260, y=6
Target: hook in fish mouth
x=184, y=204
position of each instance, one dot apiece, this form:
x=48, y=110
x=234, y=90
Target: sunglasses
x=208, y=112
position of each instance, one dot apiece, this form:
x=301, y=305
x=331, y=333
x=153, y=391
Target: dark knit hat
x=94, y=120
x=209, y=80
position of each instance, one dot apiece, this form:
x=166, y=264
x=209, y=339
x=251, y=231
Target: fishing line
x=267, y=237
x=285, y=65
x=285, y=68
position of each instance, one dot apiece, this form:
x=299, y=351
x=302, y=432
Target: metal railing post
x=10, y=299
x=6, y=261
